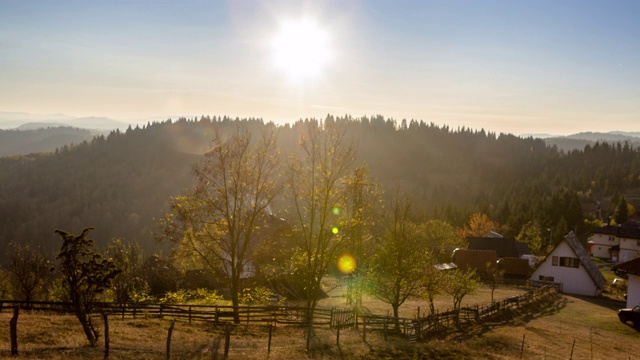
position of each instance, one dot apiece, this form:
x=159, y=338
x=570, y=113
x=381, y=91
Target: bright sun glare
x=301, y=49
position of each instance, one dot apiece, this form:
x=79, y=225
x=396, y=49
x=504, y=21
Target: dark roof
x=630, y=267
x=585, y=259
x=504, y=247
x=628, y=230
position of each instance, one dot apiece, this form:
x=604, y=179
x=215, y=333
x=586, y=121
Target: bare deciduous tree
x=30, y=271
x=315, y=182
x=221, y=218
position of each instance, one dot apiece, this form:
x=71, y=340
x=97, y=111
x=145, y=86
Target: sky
x=523, y=67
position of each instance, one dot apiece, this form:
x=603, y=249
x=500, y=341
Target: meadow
x=554, y=327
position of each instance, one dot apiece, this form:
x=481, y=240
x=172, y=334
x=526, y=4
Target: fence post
x=338, y=336
x=161, y=306
x=227, y=340
x=173, y=323
x=105, y=318
x=270, y=333
x=189, y=314
x=364, y=329
x=522, y=347
x=13, y=325
x=385, y=328
x=332, y=320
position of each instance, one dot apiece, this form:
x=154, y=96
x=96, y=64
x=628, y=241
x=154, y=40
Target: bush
x=198, y=296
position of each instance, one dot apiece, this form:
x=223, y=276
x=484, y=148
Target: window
x=611, y=239
x=565, y=261
x=569, y=262
x=545, y=278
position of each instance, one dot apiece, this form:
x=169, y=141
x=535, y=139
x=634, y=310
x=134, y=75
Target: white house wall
x=574, y=280
x=633, y=290
x=601, y=245
x=628, y=249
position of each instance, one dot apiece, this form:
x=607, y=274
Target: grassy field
x=556, y=327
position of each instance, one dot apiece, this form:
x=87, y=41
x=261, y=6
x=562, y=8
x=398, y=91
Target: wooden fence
x=216, y=314
x=434, y=322
x=336, y=319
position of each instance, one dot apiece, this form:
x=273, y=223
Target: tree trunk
x=87, y=326
x=432, y=307
x=235, y=300
x=396, y=316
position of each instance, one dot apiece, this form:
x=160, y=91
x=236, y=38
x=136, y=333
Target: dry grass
x=549, y=327
x=410, y=308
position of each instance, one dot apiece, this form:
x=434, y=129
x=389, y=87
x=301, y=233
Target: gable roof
x=630, y=267
x=628, y=230
x=504, y=247
x=585, y=259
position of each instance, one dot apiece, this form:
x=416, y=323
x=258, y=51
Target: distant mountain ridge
x=580, y=140
x=102, y=125
x=13, y=120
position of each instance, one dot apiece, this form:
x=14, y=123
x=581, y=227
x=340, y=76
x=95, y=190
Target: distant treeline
x=122, y=183
x=18, y=142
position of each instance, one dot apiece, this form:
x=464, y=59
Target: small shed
x=515, y=268
x=478, y=260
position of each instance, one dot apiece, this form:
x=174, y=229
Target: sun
x=301, y=49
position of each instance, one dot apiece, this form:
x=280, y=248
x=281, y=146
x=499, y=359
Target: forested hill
x=43, y=139
x=122, y=182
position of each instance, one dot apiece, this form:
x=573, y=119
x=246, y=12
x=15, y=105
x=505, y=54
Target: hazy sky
x=507, y=66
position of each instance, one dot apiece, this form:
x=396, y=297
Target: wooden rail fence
x=336, y=319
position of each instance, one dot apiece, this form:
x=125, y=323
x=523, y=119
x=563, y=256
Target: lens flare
x=336, y=211
x=346, y=264
x=335, y=230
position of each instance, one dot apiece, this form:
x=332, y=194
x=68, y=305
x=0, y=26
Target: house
x=478, y=260
x=570, y=265
x=615, y=242
x=632, y=269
